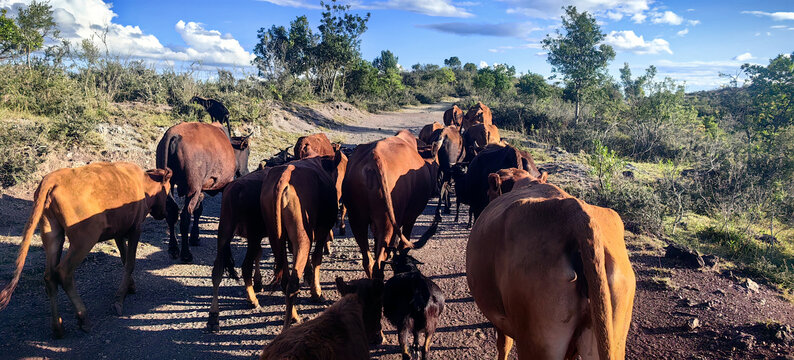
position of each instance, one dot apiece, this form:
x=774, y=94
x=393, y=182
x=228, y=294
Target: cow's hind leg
x=360, y=232
x=426, y=347
x=504, y=344
x=301, y=244
x=342, y=226
x=194, y=232
x=129, y=265
x=79, y=247
x=121, y=244
x=402, y=339
x=193, y=200
x=252, y=257
x=317, y=259
x=52, y=239
x=172, y=215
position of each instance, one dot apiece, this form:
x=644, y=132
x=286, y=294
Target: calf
x=453, y=116
x=93, y=203
x=412, y=303
x=426, y=134
x=342, y=332
x=478, y=137
x=299, y=206
x=215, y=108
x=505, y=180
x=241, y=215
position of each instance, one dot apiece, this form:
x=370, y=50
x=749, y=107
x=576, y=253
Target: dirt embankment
x=167, y=316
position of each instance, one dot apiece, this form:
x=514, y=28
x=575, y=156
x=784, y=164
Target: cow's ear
x=343, y=287
x=245, y=143
x=336, y=146
x=495, y=183
x=162, y=176
x=543, y=177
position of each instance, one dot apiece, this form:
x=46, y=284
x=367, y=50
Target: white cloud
x=524, y=46
x=483, y=64
x=693, y=22
x=698, y=74
x=627, y=40
x=542, y=53
x=93, y=19
x=690, y=10
x=667, y=17
x=778, y=27
x=426, y=7
x=294, y=3
x=639, y=18
x=519, y=30
x=777, y=16
x=551, y=9
x=743, y=57
x=683, y=32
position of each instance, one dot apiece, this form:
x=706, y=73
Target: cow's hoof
x=118, y=308
x=173, y=251
x=187, y=258
x=213, y=324
x=84, y=324
x=258, y=287
x=57, y=329
x=317, y=299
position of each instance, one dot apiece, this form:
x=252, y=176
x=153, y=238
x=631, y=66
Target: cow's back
x=315, y=144
x=198, y=154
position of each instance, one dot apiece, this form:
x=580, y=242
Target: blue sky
x=690, y=41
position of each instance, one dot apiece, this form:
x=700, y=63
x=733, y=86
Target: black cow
x=215, y=108
x=412, y=303
x=471, y=186
x=450, y=153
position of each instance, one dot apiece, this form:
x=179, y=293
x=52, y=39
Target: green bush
x=638, y=205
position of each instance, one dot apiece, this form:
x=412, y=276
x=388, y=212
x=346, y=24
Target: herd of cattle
x=547, y=269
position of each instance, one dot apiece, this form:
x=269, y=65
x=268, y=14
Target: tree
x=36, y=24
x=534, y=85
x=633, y=88
x=497, y=79
x=385, y=62
x=9, y=36
x=338, y=50
x=470, y=67
x=577, y=55
x=300, y=46
x=453, y=63
x=271, y=51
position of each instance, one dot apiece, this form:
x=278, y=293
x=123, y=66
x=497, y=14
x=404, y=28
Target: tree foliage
x=36, y=24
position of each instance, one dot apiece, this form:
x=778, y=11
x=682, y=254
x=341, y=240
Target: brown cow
x=89, y=204
x=241, y=215
x=506, y=180
x=477, y=137
x=319, y=145
x=387, y=186
x=202, y=159
x=553, y=273
x=426, y=134
x=342, y=332
x=479, y=113
x=450, y=153
x=299, y=206
x=453, y=116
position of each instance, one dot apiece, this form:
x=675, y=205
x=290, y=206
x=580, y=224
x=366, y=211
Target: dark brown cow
x=472, y=187
x=477, y=137
x=479, y=113
x=342, y=332
x=241, y=214
x=453, y=116
x=93, y=203
x=450, y=153
x=426, y=134
x=299, y=205
x=202, y=159
x=576, y=282
x=387, y=185
x=240, y=144
x=319, y=145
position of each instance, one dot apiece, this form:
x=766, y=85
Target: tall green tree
x=36, y=24
x=453, y=62
x=9, y=36
x=634, y=88
x=534, y=85
x=386, y=62
x=578, y=54
x=338, y=50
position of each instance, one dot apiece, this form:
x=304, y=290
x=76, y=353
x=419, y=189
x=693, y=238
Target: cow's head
x=506, y=180
x=240, y=144
x=157, y=191
x=195, y=99
x=403, y=263
x=370, y=296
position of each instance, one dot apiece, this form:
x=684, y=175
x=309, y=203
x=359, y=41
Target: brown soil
x=167, y=316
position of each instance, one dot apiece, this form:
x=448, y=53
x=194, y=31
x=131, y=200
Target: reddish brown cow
x=453, y=116
x=342, y=332
x=89, y=204
x=553, y=273
x=426, y=134
x=505, y=180
x=477, y=137
x=202, y=159
x=479, y=113
x=241, y=215
x=319, y=145
x=299, y=205
x=387, y=186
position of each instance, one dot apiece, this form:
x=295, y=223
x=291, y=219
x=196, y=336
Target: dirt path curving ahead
x=167, y=316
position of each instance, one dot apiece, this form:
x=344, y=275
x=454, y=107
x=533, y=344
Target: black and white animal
x=412, y=303
x=217, y=111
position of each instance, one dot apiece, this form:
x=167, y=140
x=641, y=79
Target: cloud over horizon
x=627, y=40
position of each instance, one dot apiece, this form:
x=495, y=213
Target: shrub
x=23, y=149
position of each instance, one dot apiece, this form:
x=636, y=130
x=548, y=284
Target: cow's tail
x=165, y=148
x=281, y=196
x=43, y=193
x=404, y=243
x=592, y=249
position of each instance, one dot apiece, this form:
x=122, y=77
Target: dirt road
x=166, y=317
